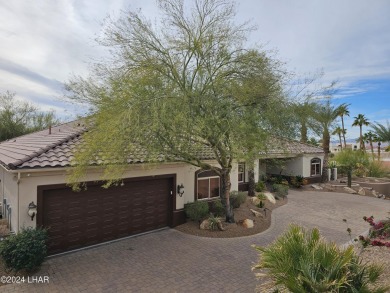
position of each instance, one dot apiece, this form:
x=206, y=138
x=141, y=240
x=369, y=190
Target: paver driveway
x=169, y=261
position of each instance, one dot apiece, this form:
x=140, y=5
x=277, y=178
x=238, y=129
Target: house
x=33, y=190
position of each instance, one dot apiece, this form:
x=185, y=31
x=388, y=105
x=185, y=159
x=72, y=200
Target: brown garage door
x=78, y=219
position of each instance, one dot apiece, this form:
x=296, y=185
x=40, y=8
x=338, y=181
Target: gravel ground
x=235, y=229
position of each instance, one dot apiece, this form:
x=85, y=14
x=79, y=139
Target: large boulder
x=247, y=223
x=257, y=214
x=350, y=190
x=316, y=187
x=270, y=197
x=361, y=191
x=205, y=225
x=255, y=200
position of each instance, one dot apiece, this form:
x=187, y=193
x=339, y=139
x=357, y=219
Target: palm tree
x=343, y=111
x=339, y=131
x=361, y=120
x=325, y=115
x=303, y=112
x=381, y=131
x=370, y=137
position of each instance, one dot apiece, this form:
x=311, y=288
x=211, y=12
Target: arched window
x=315, y=167
x=207, y=185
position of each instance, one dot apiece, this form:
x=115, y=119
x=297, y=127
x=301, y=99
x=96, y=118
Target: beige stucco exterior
x=296, y=166
x=25, y=191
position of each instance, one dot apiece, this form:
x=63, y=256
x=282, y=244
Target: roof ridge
x=45, y=149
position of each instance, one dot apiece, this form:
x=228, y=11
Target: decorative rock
x=350, y=190
x=376, y=194
x=205, y=225
x=361, y=191
x=247, y=223
x=316, y=187
x=255, y=200
x=257, y=214
x=270, y=197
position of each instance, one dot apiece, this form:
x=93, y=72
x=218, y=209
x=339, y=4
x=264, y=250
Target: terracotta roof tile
x=41, y=149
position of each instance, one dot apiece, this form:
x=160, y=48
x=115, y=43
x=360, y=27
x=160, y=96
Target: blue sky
x=43, y=43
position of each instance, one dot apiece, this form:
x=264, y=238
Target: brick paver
x=170, y=261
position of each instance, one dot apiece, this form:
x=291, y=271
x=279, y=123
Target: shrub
x=197, y=210
x=25, y=250
x=280, y=190
x=302, y=261
x=260, y=186
x=213, y=222
x=377, y=169
x=261, y=204
x=237, y=198
x=261, y=196
x=217, y=208
x=297, y=181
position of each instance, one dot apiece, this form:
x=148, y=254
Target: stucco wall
x=184, y=174
x=306, y=164
x=9, y=191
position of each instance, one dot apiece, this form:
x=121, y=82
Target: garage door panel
x=96, y=215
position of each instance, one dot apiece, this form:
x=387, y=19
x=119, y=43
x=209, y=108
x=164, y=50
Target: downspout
x=18, y=207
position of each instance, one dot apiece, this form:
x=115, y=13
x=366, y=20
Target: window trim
x=197, y=178
x=243, y=173
x=315, y=162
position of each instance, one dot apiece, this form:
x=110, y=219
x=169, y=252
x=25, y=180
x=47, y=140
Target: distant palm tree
x=361, y=120
x=381, y=131
x=343, y=111
x=370, y=137
x=338, y=131
x=303, y=111
x=325, y=115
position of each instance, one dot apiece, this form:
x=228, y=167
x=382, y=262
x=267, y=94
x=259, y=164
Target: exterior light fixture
x=32, y=210
x=180, y=190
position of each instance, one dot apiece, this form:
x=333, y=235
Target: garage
x=97, y=215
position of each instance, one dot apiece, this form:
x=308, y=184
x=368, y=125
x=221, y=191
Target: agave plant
x=301, y=261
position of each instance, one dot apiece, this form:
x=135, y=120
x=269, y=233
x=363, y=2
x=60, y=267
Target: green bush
x=237, y=198
x=197, y=210
x=377, y=169
x=25, y=250
x=280, y=190
x=260, y=186
x=213, y=222
x=217, y=208
x=261, y=196
x=297, y=181
x=302, y=261
x=261, y=204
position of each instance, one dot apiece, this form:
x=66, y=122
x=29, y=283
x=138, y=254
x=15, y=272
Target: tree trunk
x=372, y=149
x=361, y=138
x=225, y=195
x=342, y=124
x=349, y=174
x=341, y=144
x=303, y=133
x=251, y=183
x=379, y=151
x=325, y=146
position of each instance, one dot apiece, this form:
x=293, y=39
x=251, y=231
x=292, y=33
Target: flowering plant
x=379, y=234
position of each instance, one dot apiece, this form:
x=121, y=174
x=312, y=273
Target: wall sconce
x=180, y=190
x=32, y=210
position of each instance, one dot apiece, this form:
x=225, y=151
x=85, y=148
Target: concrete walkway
x=170, y=261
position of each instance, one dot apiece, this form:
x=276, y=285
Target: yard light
x=180, y=190
x=32, y=210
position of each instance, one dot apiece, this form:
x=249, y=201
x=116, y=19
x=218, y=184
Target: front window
x=241, y=172
x=208, y=185
x=315, y=169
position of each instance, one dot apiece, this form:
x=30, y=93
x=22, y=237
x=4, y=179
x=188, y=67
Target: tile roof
x=56, y=149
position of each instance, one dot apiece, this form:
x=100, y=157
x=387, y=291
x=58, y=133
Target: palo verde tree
x=19, y=117
x=350, y=160
x=175, y=88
